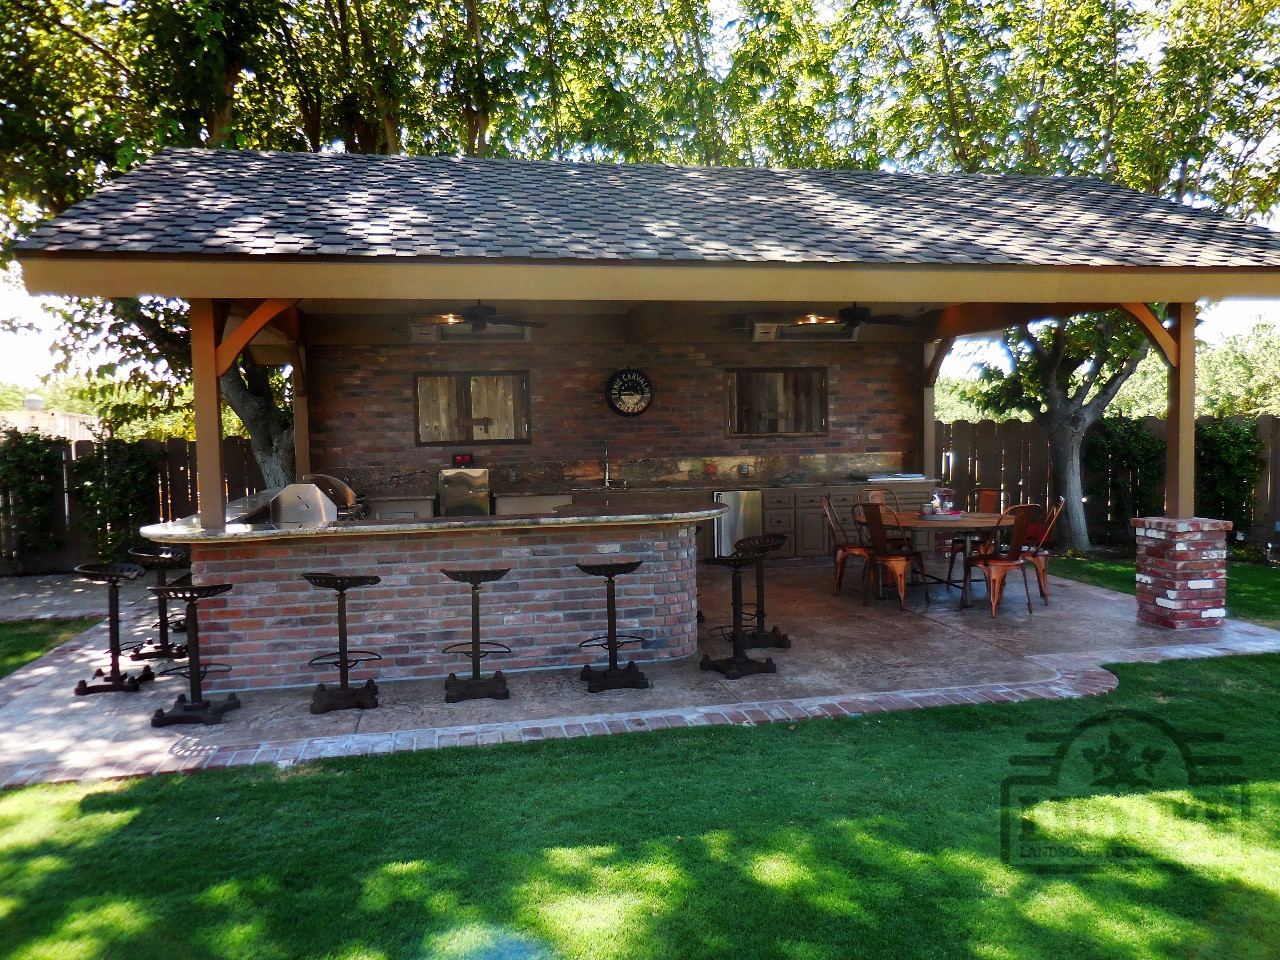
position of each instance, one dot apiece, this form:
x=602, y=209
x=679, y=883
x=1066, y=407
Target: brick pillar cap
x=1176, y=525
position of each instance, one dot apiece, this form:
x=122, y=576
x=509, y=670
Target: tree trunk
x=1065, y=444
x=246, y=388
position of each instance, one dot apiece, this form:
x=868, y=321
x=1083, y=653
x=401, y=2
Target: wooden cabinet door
x=811, y=534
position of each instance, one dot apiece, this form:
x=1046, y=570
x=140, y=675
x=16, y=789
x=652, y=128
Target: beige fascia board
x=798, y=283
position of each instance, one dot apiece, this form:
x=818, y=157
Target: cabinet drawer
x=778, y=498
x=779, y=521
x=809, y=498
x=844, y=498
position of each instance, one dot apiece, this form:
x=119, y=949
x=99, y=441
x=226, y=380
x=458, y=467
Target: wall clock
x=629, y=392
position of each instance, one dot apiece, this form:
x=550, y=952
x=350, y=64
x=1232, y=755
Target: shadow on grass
x=873, y=837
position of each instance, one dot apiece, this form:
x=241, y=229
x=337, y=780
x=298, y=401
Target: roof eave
x=376, y=278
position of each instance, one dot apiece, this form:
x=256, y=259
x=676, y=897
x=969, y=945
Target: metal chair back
x=878, y=516
x=838, y=535
x=882, y=496
x=1009, y=537
x=1054, y=514
x=983, y=500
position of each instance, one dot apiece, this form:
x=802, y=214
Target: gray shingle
x=225, y=202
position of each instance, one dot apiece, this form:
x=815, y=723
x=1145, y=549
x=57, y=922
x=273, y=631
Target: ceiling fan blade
x=517, y=322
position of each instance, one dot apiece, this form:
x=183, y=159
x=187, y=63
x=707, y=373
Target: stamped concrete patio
x=845, y=660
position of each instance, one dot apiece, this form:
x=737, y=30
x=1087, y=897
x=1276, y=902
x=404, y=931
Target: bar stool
x=344, y=696
x=739, y=665
x=475, y=687
x=762, y=635
x=162, y=560
x=113, y=681
x=195, y=708
x=612, y=677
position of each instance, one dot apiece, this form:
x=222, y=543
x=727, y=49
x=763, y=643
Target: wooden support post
x=301, y=416
x=934, y=354
x=1180, y=462
x=207, y=317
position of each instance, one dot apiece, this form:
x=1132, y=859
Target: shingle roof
x=238, y=203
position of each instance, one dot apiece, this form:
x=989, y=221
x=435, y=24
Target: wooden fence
x=175, y=497
x=1014, y=457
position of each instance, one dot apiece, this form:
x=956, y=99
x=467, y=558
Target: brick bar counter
x=273, y=622
x=1182, y=572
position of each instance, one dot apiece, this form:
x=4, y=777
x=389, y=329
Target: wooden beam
x=934, y=354
x=207, y=317
x=1180, y=447
x=239, y=338
x=1155, y=330
x=966, y=319
x=301, y=416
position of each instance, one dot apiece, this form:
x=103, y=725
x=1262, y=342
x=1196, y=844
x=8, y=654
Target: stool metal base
x=457, y=689
x=352, y=698
x=755, y=639
x=152, y=650
x=600, y=679
x=114, y=682
x=207, y=712
x=737, y=667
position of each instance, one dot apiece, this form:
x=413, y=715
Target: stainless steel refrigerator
x=743, y=518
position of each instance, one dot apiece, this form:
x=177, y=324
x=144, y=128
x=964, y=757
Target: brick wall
x=1182, y=571
x=273, y=622
x=362, y=405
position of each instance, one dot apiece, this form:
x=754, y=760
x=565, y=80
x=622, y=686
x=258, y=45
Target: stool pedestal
x=739, y=665
x=161, y=561
x=194, y=708
x=476, y=687
x=612, y=677
x=343, y=696
x=762, y=635
x=112, y=680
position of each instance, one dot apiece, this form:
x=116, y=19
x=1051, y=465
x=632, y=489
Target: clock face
x=629, y=392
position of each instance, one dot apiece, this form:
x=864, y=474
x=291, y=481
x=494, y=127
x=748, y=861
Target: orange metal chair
x=1005, y=555
x=886, y=497
x=885, y=556
x=842, y=547
x=979, y=500
x=1037, y=552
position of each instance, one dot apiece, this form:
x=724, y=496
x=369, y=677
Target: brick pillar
x=1182, y=571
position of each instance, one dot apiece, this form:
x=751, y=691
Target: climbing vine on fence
x=1128, y=461
x=32, y=490
x=117, y=485
x=1228, y=465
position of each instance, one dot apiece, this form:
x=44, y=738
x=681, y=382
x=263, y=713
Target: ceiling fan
x=854, y=316
x=478, y=317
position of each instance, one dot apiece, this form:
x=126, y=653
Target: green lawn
x=874, y=837
x=25, y=640
x=1253, y=590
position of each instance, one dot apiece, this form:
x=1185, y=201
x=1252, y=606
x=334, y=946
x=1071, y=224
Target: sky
x=27, y=357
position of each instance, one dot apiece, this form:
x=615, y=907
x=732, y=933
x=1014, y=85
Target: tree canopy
x=1179, y=98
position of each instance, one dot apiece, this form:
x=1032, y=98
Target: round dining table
x=955, y=524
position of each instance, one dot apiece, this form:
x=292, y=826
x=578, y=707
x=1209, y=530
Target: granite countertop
x=727, y=483
x=633, y=511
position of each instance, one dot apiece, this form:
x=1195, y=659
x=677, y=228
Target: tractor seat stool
x=761, y=635
x=112, y=681
x=476, y=687
x=161, y=560
x=194, y=708
x=612, y=677
x=739, y=665
x=343, y=696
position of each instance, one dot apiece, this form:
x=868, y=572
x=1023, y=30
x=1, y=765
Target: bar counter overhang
x=273, y=622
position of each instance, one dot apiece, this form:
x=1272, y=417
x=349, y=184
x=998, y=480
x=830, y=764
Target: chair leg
x=840, y=559
x=995, y=586
x=964, y=589
x=900, y=579
x=924, y=580
x=867, y=578
x=1042, y=578
x=951, y=564
x=1026, y=586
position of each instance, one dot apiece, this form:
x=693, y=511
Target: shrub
x=1228, y=466
x=31, y=485
x=118, y=486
